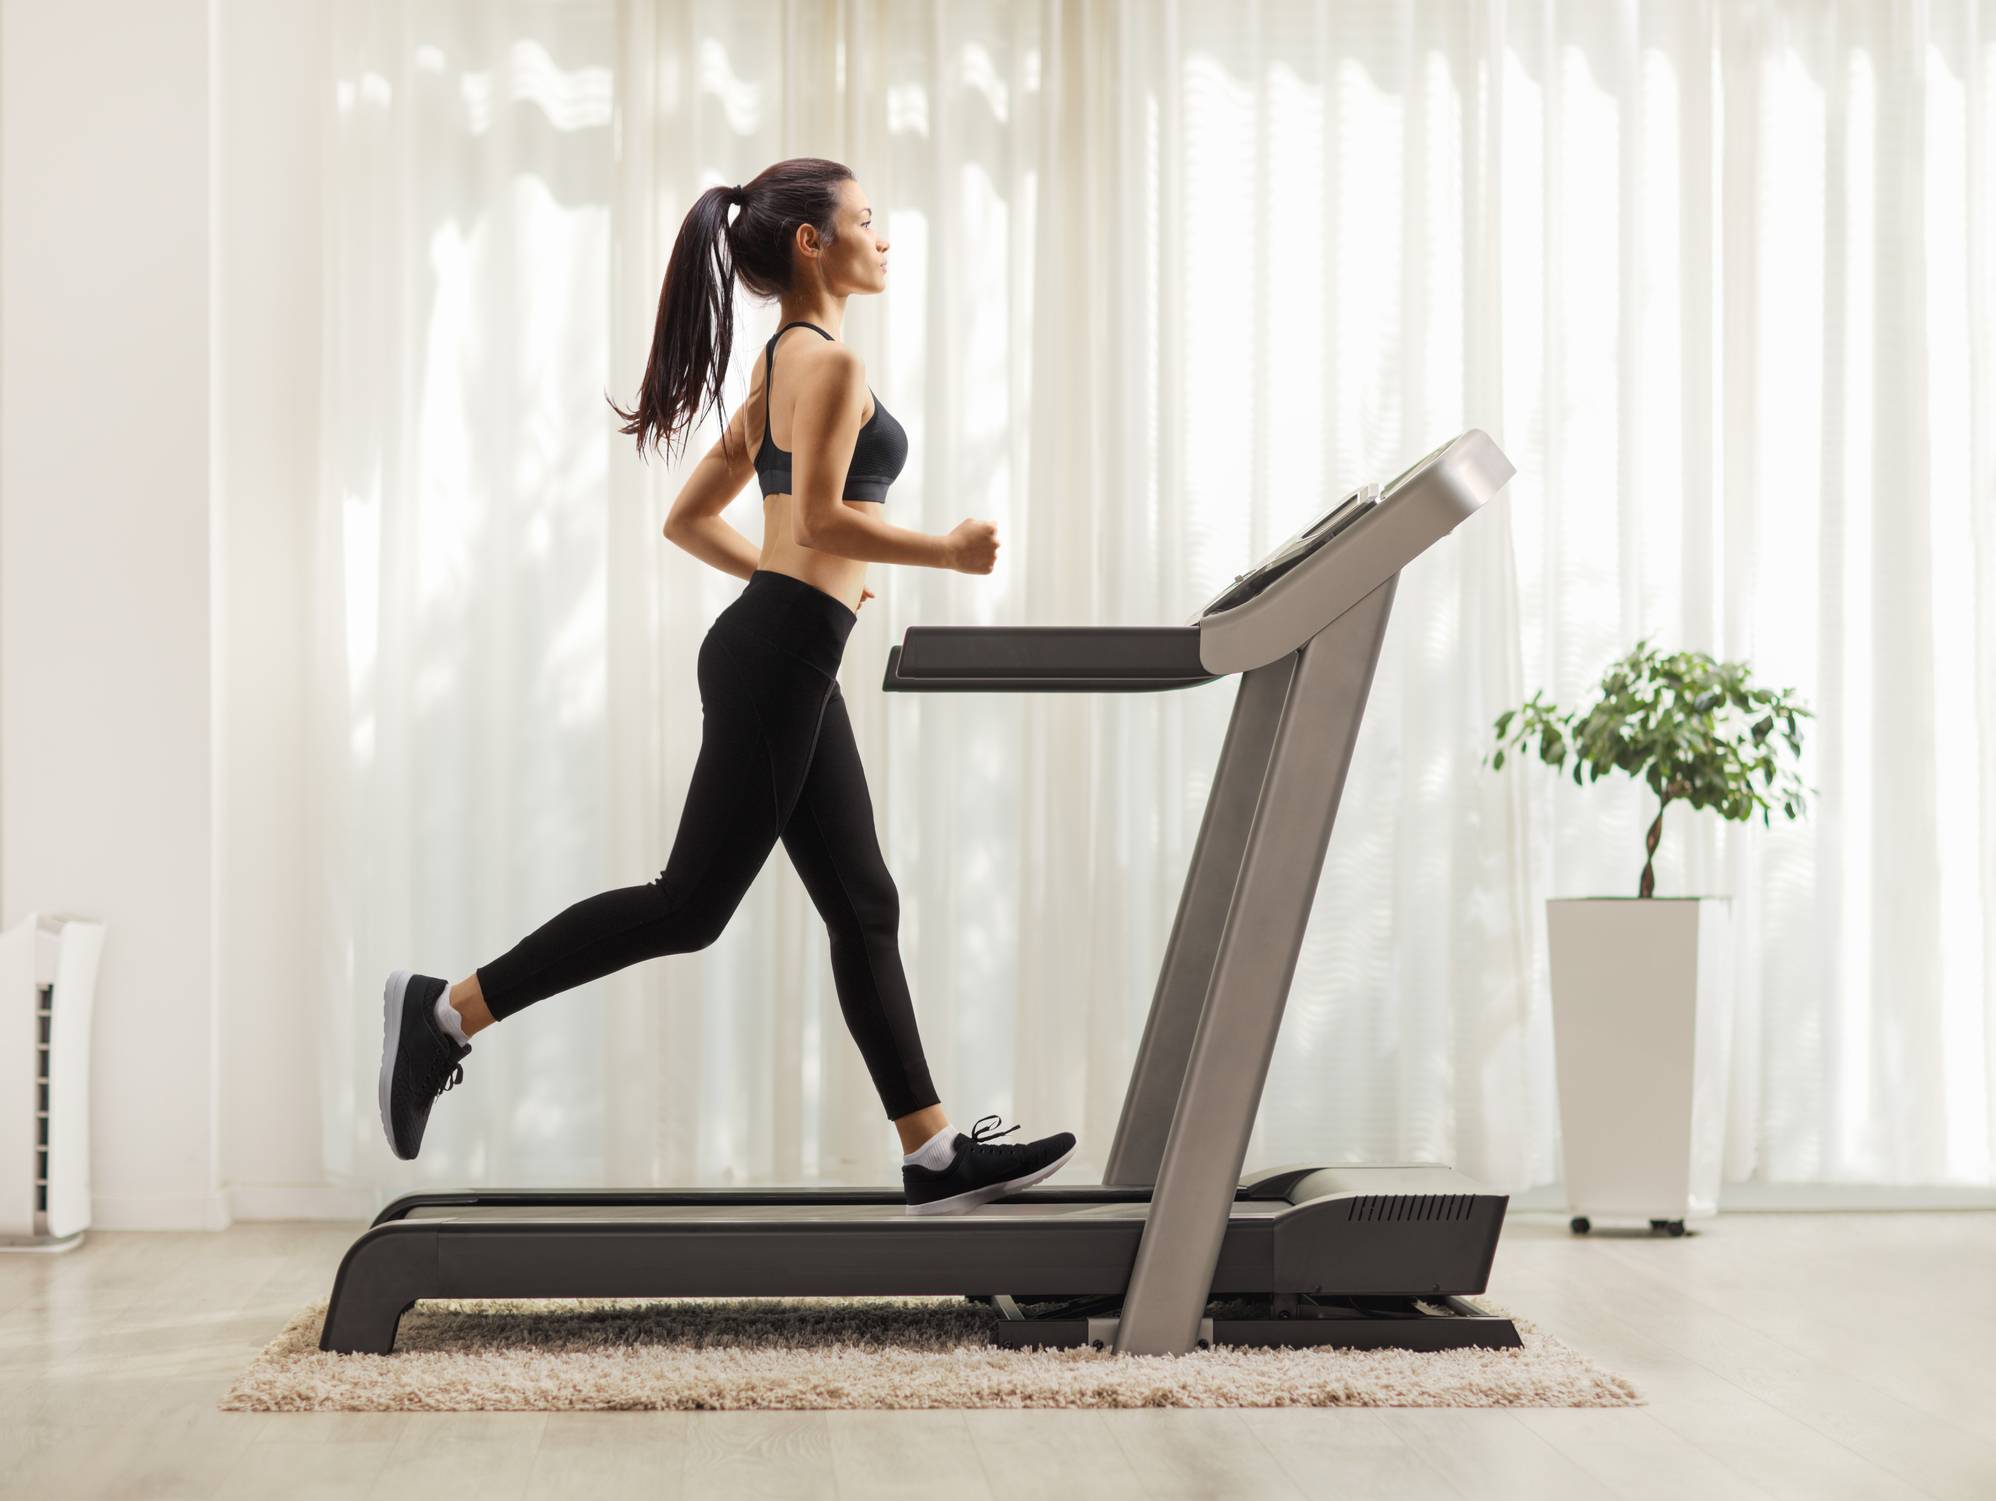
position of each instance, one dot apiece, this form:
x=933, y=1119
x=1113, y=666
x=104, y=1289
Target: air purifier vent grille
x=44, y=1015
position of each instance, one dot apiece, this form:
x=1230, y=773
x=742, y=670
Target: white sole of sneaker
x=391, y=1034
x=960, y=1202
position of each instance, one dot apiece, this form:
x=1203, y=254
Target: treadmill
x=1174, y=1249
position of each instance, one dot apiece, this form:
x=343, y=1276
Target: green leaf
x=1687, y=726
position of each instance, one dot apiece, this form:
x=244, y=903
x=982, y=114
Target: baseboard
x=238, y=1202
x=208, y=1211
x=305, y=1201
x=1802, y=1198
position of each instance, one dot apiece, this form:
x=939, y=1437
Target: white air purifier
x=48, y=974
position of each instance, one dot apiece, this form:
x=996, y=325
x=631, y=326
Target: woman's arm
x=695, y=523
x=826, y=424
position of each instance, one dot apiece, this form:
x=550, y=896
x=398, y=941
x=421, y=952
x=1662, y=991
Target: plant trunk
x=1649, y=861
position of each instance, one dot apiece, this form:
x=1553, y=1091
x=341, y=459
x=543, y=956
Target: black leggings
x=777, y=757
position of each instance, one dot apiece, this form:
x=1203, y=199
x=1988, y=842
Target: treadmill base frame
x=1341, y=1323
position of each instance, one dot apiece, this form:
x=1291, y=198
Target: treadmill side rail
x=381, y=1276
x=711, y=1251
x=1402, y=1324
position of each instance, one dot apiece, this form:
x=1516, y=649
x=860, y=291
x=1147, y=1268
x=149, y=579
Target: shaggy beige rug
x=492, y=1355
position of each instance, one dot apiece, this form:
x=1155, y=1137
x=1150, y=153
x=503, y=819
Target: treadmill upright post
x=1328, y=681
x=1187, y=970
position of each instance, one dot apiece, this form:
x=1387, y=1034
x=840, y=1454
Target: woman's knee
x=703, y=932
x=684, y=922
x=877, y=903
x=860, y=910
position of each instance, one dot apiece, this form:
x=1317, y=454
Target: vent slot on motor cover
x=1410, y=1206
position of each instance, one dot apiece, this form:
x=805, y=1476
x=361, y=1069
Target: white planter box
x=1642, y=1030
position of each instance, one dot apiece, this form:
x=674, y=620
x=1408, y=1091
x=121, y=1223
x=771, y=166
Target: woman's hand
x=864, y=595
x=972, y=547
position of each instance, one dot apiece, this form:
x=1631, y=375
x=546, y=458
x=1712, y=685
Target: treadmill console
x=1326, y=529
x=1401, y=480
x=1332, y=523
x=1287, y=599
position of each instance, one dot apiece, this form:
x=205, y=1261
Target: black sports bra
x=878, y=454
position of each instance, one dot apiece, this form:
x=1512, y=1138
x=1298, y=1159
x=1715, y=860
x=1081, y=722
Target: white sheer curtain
x=1166, y=278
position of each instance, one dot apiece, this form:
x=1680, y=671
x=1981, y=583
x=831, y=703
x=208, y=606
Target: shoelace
x=456, y=1076
x=986, y=1131
x=980, y=1133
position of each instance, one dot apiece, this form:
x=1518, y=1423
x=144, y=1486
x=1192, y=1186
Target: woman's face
x=857, y=261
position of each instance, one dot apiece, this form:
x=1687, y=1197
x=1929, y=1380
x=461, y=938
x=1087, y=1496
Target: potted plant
x=1641, y=986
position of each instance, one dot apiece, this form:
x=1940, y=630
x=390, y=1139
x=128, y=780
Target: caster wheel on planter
x=1675, y=1227
x=1580, y=1224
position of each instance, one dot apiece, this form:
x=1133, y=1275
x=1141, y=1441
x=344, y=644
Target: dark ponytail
x=693, y=338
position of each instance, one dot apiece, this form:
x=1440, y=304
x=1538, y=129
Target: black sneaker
x=982, y=1172
x=419, y=1060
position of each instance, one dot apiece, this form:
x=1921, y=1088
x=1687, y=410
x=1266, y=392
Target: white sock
x=447, y=1018
x=938, y=1152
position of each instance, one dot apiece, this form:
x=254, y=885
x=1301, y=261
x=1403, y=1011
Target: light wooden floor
x=1812, y=1356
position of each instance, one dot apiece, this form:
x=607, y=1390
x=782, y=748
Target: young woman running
x=777, y=756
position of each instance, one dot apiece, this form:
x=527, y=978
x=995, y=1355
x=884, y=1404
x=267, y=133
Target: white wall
x=105, y=464
x=272, y=105
x=117, y=510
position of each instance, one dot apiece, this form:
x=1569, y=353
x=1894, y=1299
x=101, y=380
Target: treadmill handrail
x=1070, y=658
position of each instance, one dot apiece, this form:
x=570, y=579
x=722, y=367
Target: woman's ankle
x=918, y=1126
x=468, y=1000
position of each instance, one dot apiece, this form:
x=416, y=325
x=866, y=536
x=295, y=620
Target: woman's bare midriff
x=841, y=577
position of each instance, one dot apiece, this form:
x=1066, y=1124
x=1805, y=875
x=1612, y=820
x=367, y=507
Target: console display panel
x=1415, y=468
x=1293, y=551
